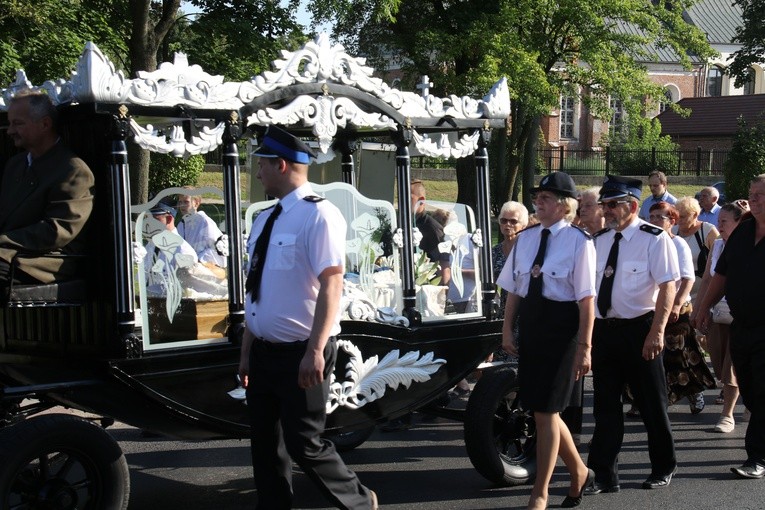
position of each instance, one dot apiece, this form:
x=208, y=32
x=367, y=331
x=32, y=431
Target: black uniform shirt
x=743, y=265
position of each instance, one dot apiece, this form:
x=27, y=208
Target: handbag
x=721, y=313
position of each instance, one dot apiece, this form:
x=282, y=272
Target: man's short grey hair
x=712, y=191
x=40, y=105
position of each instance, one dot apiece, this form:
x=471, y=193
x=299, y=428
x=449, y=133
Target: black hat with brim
x=617, y=186
x=278, y=143
x=559, y=183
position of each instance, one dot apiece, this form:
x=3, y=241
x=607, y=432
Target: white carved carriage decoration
x=322, y=93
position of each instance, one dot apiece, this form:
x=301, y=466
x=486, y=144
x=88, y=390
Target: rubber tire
x=347, y=441
x=500, y=437
x=90, y=446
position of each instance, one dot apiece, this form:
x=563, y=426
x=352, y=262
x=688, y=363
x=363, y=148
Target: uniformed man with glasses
x=636, y=271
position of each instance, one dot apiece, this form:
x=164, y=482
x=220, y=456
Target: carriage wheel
x=61, y=462
x=500, y=437
x=347, y=441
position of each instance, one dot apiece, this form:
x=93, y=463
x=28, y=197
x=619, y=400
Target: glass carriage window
x=567, y=114
x=182, y=279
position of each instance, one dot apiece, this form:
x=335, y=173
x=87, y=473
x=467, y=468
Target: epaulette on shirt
x=535, y=225
x=651, y=229
x=600, y=232
x=313, y=198
x=583, y=231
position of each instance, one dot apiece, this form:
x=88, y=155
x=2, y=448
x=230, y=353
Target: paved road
x=426, y=468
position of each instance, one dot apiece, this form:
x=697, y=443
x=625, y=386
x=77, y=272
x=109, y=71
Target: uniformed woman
x=550, y=279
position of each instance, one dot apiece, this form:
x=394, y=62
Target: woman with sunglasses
x=513, y=217
x=718, y=336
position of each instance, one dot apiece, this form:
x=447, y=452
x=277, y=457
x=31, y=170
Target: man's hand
x=311, y=369
x=244, y=369
x=653, y=345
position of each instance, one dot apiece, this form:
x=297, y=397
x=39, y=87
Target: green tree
x=168, y=171
x=545, y=48
x=751, y=35
x=643, y=150
x=746, y=159
x=46, y=37
x=239, y=39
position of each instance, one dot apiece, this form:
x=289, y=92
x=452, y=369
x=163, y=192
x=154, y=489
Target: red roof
x=713, y=116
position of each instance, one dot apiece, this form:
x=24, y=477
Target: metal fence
x=697, y=162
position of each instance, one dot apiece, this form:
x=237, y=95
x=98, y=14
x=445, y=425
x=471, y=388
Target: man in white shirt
x=292, y=312
x=710, y=209
x=636, y=272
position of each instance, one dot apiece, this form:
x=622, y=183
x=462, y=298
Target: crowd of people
x=636, y=291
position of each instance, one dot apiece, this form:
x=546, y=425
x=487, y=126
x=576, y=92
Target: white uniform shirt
x=684, y=260
x=308, y=237
x=568, y=269
x=645, y=261
x=201, y=232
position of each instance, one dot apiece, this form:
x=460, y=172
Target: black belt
x=616, y=322
x=261, y=343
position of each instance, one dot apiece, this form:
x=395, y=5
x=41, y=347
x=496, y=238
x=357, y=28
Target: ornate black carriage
x=153, y=341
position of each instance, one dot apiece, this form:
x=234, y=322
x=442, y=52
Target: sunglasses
x=613, y=204
x=505, y=221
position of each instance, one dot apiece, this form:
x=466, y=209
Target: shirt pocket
x=281, y=251
x=635, y=274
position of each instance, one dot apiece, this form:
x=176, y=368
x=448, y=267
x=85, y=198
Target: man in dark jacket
x=46, y=197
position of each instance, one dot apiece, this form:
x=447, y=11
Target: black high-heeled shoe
x=572, y=501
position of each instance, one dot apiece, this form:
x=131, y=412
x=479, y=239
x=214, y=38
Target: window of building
x=567, y=116
x=714, y=81
x=666, y=101
x=749, y=84
x=618, y=124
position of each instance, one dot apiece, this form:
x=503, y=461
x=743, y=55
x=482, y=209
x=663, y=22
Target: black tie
x=534, y=296
x=607, y=283
x=252, y=285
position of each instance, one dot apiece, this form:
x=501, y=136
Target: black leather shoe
x=659, y=482
x=749, y=470
x=600, y=488
x=574, y=501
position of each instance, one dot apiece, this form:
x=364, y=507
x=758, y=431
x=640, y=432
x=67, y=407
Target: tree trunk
x=530, y=159
x=145, y=39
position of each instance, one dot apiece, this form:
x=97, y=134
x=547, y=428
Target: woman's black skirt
x=547, y=347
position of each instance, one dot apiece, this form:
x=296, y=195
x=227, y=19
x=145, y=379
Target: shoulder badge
x=600, y=232
x=651, y=229
x=313, y=198
x=529, y=228
x=583, y=231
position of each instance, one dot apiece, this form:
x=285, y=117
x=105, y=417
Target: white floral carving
x=325, y=114
x=465, y=146
x=367, y=380
x=176, y=144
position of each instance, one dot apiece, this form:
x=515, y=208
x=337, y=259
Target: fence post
x=698, y=161
x=653, y=160
x=560, y=151
x=608, y=158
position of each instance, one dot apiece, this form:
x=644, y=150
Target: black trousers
x=287, y=423
x=616, y=360
x=747, y=350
